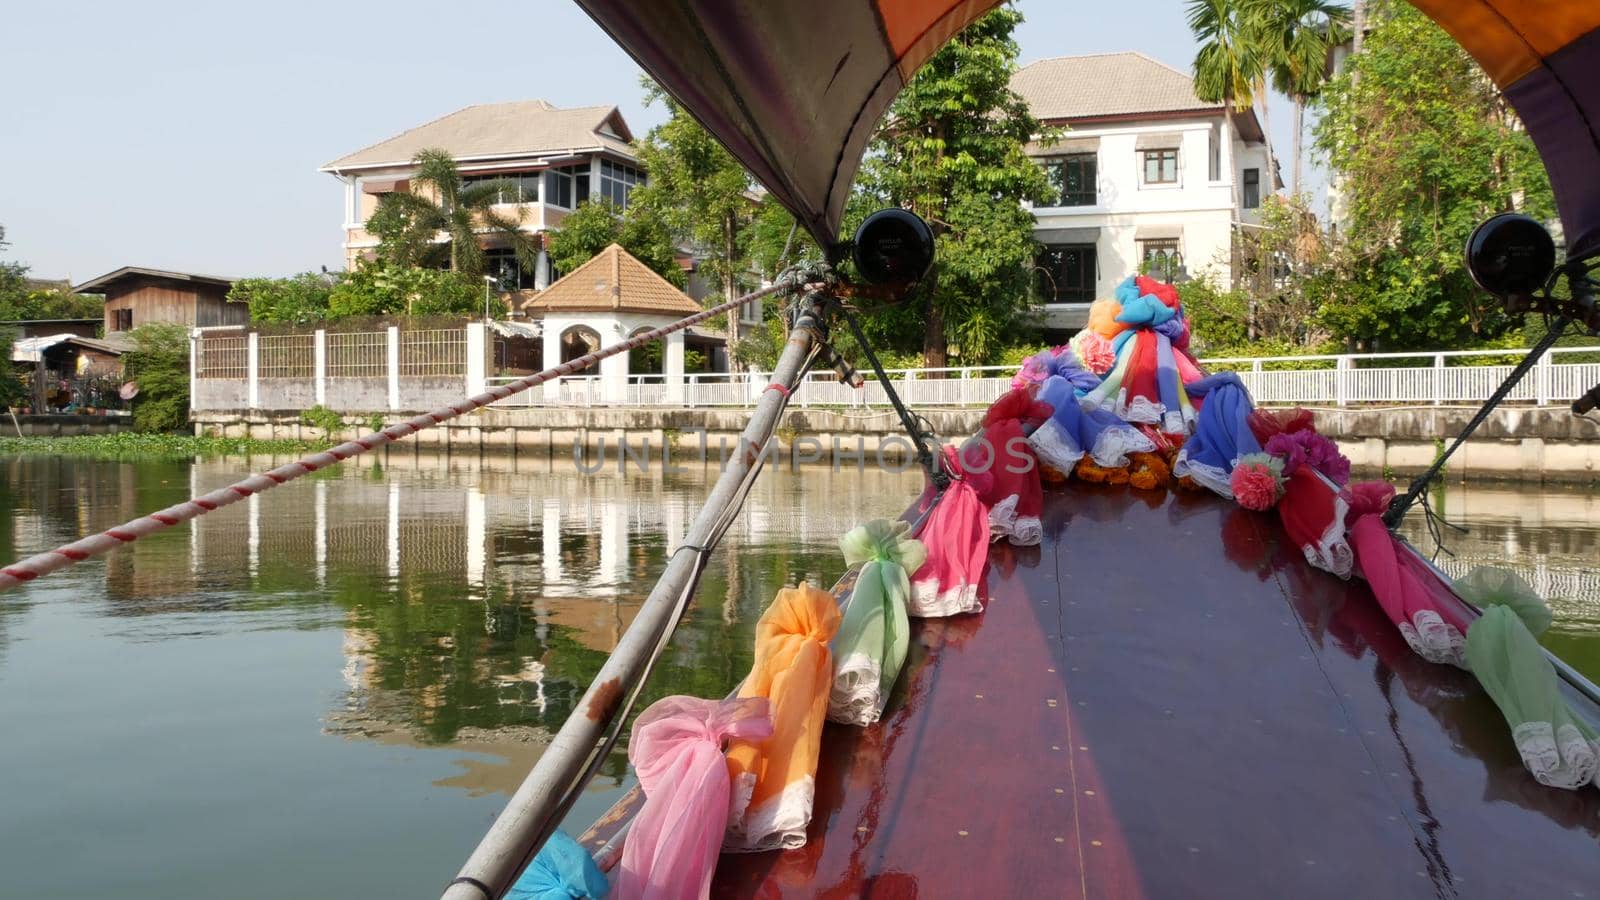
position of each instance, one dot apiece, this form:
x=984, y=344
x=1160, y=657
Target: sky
x=187, y=135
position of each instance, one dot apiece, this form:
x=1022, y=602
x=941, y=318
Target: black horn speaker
x=893, y=247
x=1511, y=256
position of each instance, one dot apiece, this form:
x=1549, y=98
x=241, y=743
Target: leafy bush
x=160, y=365
x=12, y=393
x=378, y=290
x=323, y=418
x=296, y=300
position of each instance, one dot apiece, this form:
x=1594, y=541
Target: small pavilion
x=607, y=299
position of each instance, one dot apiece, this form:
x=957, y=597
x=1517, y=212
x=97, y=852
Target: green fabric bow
x=875, y=632
x=1487, y=586
x=1559, y=748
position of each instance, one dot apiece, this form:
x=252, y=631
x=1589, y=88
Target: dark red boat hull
x=1165, y=700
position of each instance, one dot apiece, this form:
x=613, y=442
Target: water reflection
x=477, y=598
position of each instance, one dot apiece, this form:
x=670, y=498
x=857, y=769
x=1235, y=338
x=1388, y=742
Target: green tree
x=296, y=300
x=442, y=201
x=1425, y=148
x=1229, y=67
x=1297, y=36
x=159, y=364
x=700, y=194
x=597, y=224
x=951, y=149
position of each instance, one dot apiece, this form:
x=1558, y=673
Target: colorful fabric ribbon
x=1417, y=600
x=873, y=637
x=563, y=870
x=956, y=538
x=1313, y=514
x=1221, y=435
x=774, y=779
x=676, y=749
x=1558, y=747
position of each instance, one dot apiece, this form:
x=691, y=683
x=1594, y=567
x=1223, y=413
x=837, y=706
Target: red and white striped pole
x=128, y=532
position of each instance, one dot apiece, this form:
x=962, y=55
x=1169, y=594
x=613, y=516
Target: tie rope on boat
x=96, y=544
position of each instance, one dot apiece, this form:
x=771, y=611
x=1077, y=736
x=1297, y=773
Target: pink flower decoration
x=1255, y=486
x=1093, y=351
x=1033, y=371
x=1308, y=447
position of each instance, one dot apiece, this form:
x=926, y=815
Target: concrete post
x=1341, y=390
x=252, y=371
x=1541, y=380
x=673, y=355
x=552, y=358
x=394, y=367
x=1438, y=379
x=477, y=374
x=614, y=378
x=319, y=365
x=194, y=370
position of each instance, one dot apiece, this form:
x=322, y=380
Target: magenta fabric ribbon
x=677, y=750
x=1424, y=608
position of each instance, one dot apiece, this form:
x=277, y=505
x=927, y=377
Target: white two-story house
x=1148, y=174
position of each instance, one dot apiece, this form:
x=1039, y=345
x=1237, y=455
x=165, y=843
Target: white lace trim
x=1112, y=447
x=1175, y=421
x=1434, y=639
x=1558, y=757
x=929, y=602
x=777, y=824
x=1003, y=518
x=1139, y=409
x=1027, y=532
x=739, y=791
x=1207, y=476
x=1055, y=447
x=1332, y=553
x=854, y=698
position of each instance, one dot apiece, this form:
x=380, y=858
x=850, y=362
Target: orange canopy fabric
x=794, y=88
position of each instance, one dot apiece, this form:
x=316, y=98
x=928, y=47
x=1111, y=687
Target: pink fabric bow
x=1427, y=612
x=957, y=537
x=676, y=748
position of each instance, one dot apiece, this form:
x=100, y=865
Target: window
x=1252, y=188
x=518, y=187
x=750, y=313
x=122, y=320
x=1074, y=177
x=617, y=182
x=501, y=262
x=568, y=186
x=1161, y=166
x=1069, y=273
x=1161, y=258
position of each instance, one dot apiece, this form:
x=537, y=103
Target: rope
x=128, y=532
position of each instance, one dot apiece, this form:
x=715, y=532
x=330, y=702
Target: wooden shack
x=137, y=296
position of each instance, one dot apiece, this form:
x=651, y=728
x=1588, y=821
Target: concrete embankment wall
x=1515, y=443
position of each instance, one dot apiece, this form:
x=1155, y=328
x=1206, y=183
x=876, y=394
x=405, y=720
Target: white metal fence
x=1451, y=377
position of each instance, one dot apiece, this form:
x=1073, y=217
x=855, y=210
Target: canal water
x=331, y=689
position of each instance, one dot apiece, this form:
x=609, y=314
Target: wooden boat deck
x=1164, y=700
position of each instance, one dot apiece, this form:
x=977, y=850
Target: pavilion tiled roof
x=615, y=281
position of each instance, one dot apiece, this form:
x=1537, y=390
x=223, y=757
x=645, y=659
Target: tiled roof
x=493, y=130
x=614, y=281
x=1105, y=84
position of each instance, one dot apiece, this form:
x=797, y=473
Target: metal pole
x=513, y=837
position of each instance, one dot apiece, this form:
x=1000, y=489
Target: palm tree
x=1228, y=69
x=1297, y=36
x=460, y=210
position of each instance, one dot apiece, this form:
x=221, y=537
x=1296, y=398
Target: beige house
x=1149, y=175
x=557, y=157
